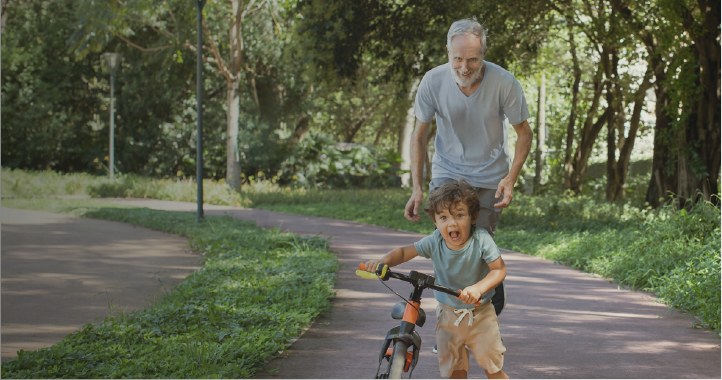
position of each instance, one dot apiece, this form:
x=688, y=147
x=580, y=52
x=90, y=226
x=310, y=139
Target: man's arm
x=521, y=152
x=418, y=157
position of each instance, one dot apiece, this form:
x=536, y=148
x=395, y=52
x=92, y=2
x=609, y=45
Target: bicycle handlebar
x=383, y=273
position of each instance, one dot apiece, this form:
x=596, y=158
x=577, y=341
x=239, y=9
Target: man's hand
x=506, y=187
x=412, y=207
x=470, y=295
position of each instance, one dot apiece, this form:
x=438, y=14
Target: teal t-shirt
x=462, y=268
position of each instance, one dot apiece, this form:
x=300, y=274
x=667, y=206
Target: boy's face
x=454, y=224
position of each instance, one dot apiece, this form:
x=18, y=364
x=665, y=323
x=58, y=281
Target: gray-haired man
x=471, y=99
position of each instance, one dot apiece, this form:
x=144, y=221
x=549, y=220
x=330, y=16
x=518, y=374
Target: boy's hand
x=470, y=295
x=372, y=264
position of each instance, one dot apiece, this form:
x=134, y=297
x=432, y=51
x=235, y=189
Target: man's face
x=466, y=59
x=454, y=224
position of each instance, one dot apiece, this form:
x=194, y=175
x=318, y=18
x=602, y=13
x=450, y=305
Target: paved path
x=558, y=323
x=60, y=272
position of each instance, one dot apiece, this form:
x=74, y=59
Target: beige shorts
x=482, y=338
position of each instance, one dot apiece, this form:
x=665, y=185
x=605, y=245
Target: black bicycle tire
x=398, y=360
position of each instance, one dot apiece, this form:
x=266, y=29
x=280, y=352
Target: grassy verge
x=256, y=290
x=673, y=254
x=43, y=183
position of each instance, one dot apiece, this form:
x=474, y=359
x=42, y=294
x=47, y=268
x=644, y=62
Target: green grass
x=23, y=183
x=256, y=290
x=673, y=254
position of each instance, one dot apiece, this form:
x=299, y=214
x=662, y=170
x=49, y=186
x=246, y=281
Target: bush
x=318, y=162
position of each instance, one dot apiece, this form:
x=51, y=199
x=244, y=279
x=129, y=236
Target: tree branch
x=248, y=11
x=137, y=46
x=219, y=60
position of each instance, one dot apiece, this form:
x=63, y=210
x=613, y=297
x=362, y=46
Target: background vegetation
x=307, y=82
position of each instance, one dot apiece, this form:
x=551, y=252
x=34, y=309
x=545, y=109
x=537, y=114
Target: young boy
x=464, y=257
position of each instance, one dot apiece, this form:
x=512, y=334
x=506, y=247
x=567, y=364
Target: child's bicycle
x=401, y=338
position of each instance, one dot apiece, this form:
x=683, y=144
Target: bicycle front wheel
x=398, y=361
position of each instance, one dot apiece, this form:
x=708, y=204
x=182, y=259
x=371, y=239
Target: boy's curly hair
x=452, y=193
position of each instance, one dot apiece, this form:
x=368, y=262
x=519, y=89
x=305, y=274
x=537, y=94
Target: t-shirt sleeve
x=423, y=106
x=514, y=106
x=489, y=251
x=425, y=246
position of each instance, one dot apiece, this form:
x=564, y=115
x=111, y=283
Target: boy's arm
x=393, y=258
x=472, y=294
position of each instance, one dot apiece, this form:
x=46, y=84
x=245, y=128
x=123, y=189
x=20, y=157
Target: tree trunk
x=382, y=128
x=540, y=153
x=589, y=134
x=625, y=152
x=620, y=166
x=658, y=183
x=233, y=98
x=429, y=154
x=568, y=168
x=707, y=129
x=405, y=136
x=615, y=102
x=4, y=16
x=302, y=126
x=405, y=146
x=233, y=163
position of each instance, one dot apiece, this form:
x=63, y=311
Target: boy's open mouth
x=454, y=234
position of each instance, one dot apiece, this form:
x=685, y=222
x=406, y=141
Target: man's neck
x=470, y=89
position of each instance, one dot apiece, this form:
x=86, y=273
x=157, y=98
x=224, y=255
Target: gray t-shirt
x=462, y=268
x=471, y=134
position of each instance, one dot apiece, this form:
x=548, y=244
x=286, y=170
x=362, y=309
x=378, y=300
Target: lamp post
x=199, y=104
x=113, y=61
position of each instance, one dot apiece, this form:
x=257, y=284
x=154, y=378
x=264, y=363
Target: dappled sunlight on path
x=60, y=272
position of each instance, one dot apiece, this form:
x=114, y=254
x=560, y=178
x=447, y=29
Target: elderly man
x=471, y=99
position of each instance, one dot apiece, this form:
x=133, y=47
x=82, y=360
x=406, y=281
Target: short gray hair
x=469, y=27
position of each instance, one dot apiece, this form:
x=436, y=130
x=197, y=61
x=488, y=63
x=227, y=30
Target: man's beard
x=465, y=82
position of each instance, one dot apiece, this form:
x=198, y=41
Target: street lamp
x=113, y=61
x=199, y=103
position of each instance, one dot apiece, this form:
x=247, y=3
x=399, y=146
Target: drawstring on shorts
x=464, y=312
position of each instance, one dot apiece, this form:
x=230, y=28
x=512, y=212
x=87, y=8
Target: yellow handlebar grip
x=368, y=275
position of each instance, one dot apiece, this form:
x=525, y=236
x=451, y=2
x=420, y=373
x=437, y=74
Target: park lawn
x=256, y=290
x=674, y=254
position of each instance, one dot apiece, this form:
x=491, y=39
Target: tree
x=171, y=21
x=47, y=103
x=611, y=88
x=682, y=39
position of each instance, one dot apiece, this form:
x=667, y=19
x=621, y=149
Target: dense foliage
x=304, y=69
x=256, y=290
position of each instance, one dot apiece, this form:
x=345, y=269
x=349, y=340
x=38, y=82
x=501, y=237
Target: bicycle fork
x=412, y=315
